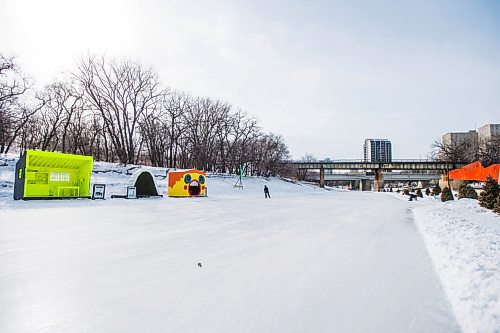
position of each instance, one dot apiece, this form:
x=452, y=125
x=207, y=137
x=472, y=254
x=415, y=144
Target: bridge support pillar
x=378, y=182
x=322, y=178
x=354, y=185
x=444, y=182
x=364, y=185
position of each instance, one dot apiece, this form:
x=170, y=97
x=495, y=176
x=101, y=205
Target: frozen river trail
x=325, y=262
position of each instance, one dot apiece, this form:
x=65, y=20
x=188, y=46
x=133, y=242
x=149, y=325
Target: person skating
x=266, y=192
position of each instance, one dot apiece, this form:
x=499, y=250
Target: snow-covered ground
x=464, y=242
x=307, y=260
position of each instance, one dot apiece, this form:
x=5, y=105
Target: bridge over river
x=379, y=168
x=394, y=177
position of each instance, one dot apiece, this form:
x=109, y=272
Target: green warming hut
x=47, y=175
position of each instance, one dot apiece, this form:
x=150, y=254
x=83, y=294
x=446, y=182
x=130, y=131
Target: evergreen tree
x=496, y=208
x=446, y=195
x=466, y=191
x=436, y=190
x=419, y=193
x=427, y=192
x=488, y=197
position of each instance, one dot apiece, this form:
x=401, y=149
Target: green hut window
x=59, y=176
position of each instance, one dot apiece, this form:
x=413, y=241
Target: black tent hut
x=145, y=185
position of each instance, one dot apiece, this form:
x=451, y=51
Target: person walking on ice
x=266, y=192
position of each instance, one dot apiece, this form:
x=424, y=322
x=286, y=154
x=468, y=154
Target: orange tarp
x=475, y=171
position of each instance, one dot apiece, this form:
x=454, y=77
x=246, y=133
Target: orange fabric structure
x=475, y=171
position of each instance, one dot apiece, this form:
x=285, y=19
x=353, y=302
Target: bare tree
x=154, y=128
x=122, y=93
x=117, y=111
x=26, y=124
x=203, y=120
x=455, y=151
x=268, y=154
x=175, y=104
x=13, y=85
x=490, y=151
x=52, y=117
x=243, y=130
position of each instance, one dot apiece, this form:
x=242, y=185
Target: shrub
x=488, y=197
x=427, y=191
x=436, y=190
x=496, y=208
x=406, y=191
x=466, y=191
x=419, y=193
x=446, y=195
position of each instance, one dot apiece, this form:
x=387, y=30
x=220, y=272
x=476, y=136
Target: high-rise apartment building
x=377, y=150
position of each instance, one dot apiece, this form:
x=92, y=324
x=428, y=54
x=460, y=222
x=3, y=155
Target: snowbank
x=463, y=240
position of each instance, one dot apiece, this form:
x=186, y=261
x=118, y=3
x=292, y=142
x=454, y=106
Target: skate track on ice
x=318, y=262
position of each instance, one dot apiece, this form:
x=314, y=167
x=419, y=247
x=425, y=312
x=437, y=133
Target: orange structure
x=187, y=183
x=475, y=171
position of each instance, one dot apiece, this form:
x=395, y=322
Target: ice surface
x=306, y=260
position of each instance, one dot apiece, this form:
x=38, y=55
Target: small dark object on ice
x=199, y=264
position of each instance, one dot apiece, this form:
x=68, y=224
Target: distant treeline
x=118, y=111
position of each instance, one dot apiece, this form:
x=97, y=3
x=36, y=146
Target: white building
x=474, y=137
x=488, y=131
x=456, y=138
x=377, y=150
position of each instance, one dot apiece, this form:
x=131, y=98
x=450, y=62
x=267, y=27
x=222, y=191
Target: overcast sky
x=324, y=74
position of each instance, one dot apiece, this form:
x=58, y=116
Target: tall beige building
x=488, y=131
x=455, y=138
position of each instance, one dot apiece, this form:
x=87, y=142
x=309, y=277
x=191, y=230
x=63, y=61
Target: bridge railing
x=401, y=164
